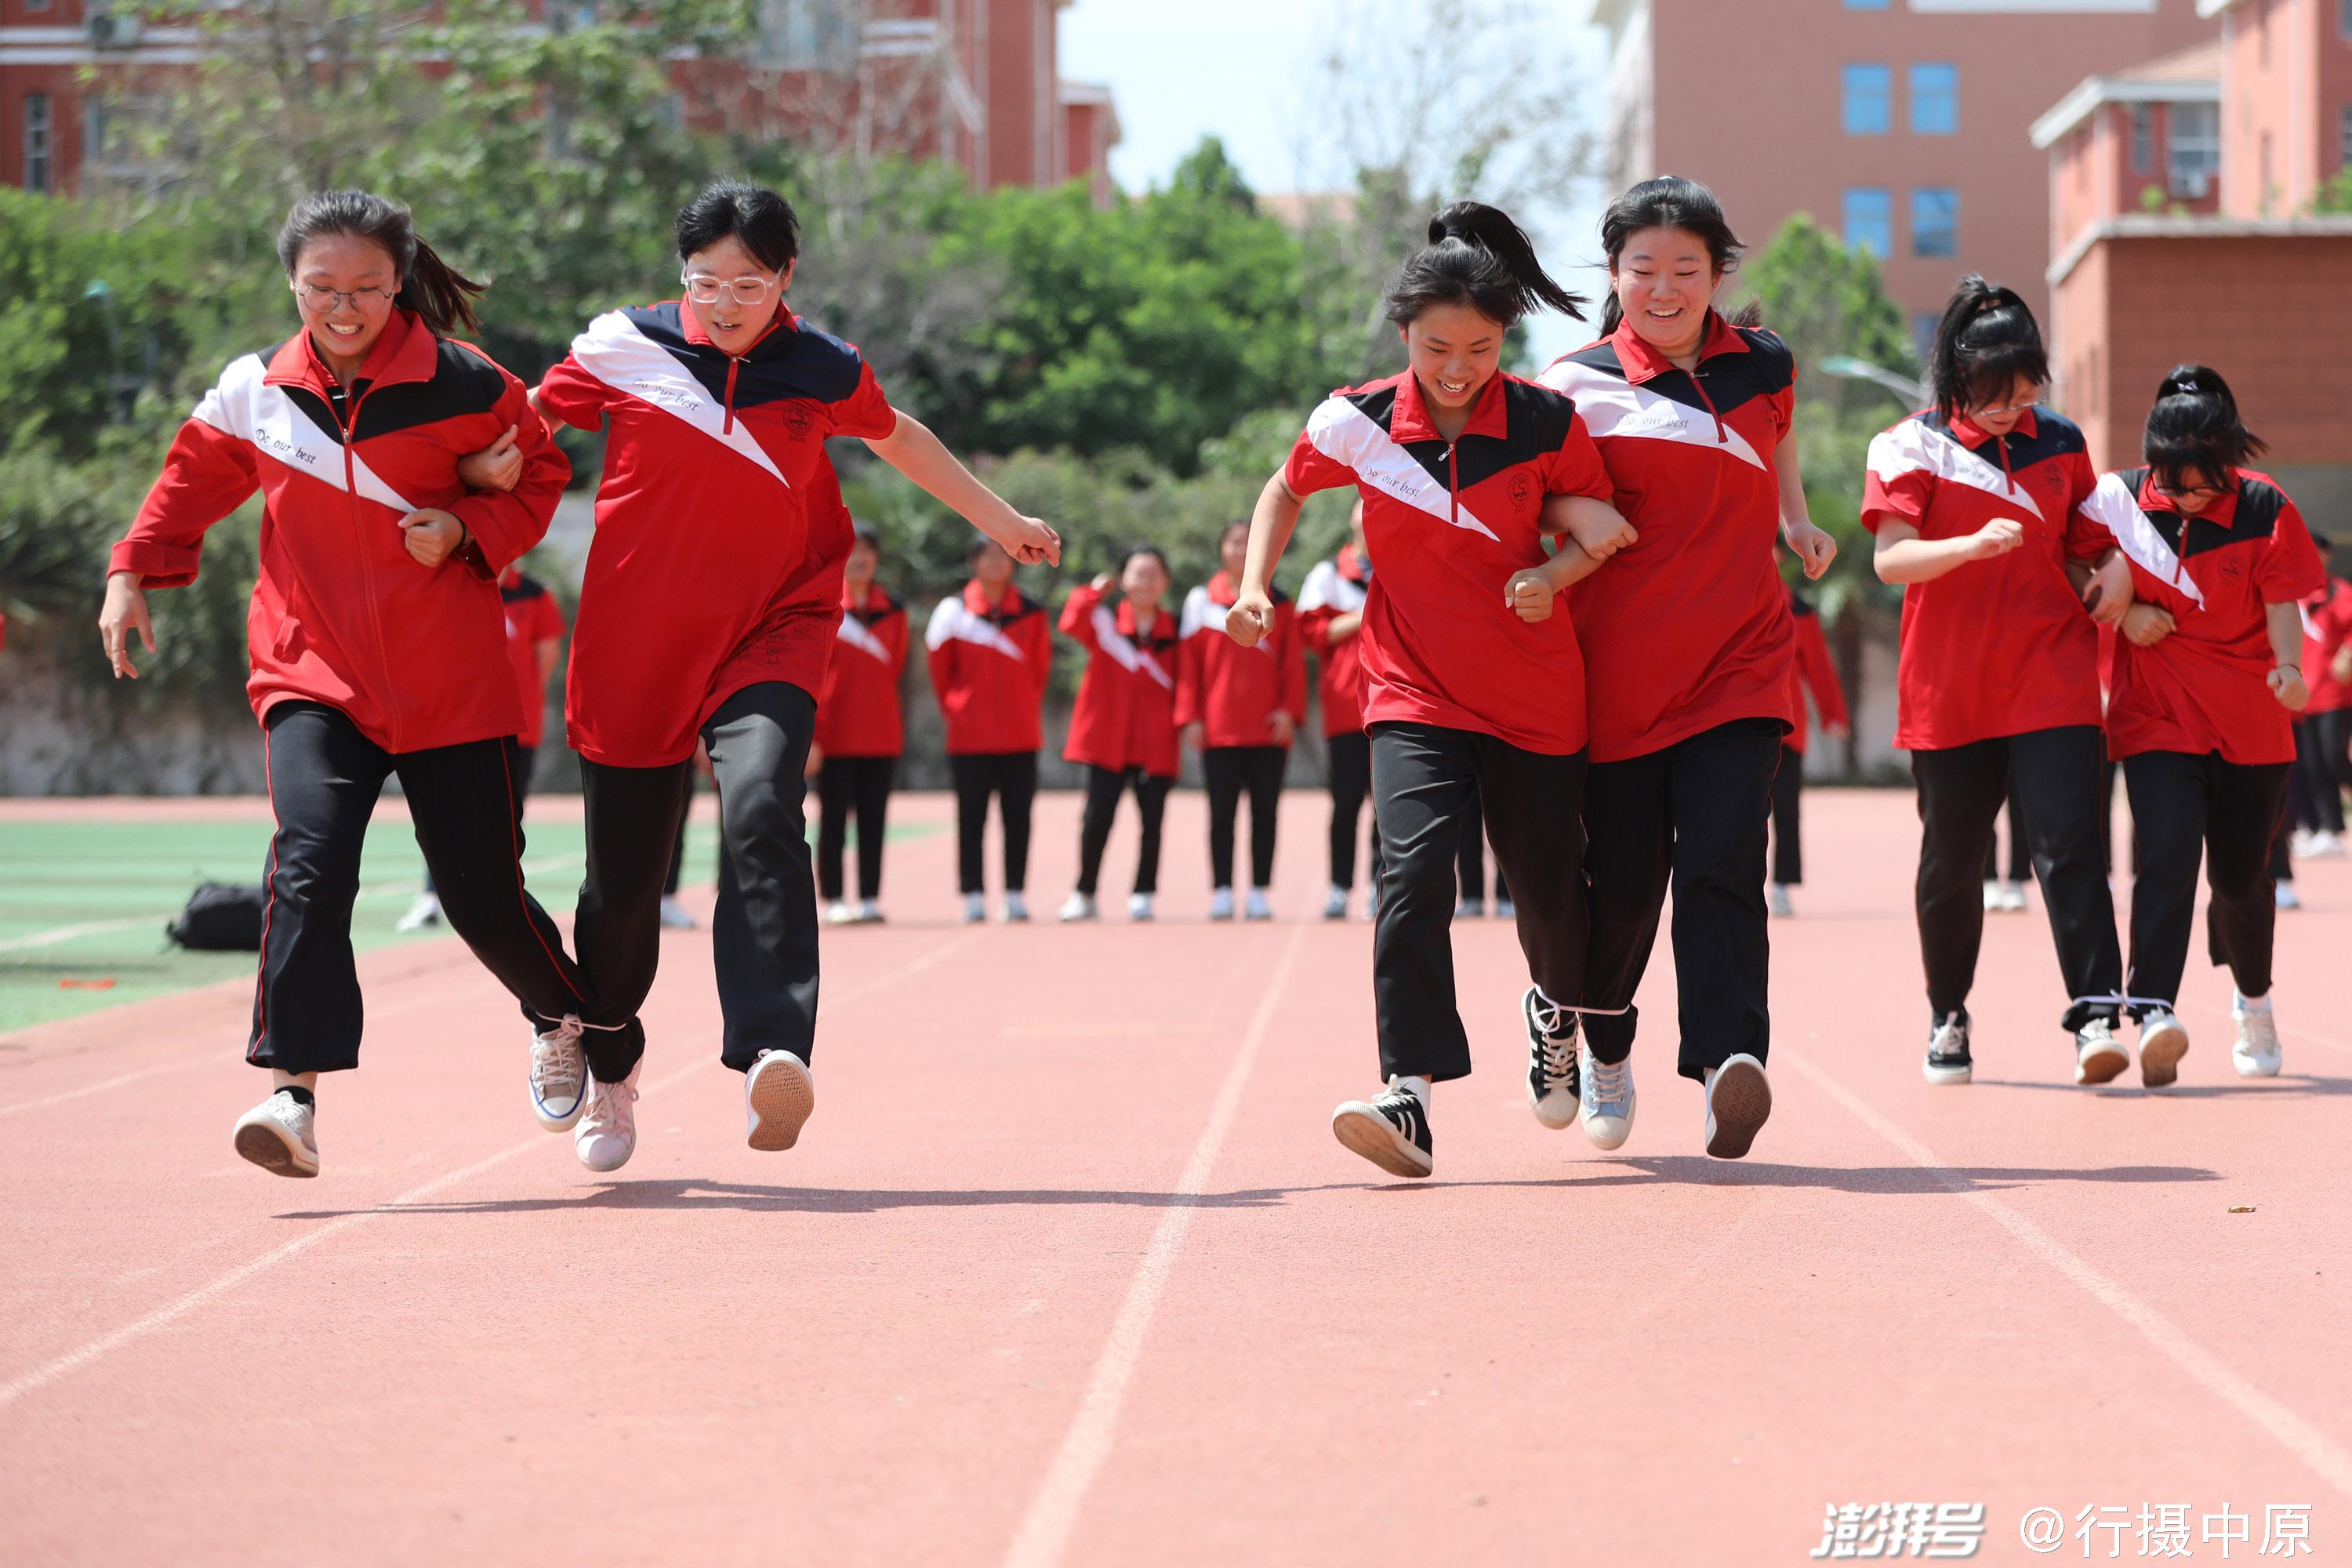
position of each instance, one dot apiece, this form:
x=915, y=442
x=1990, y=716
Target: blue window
x=1869, y=220
x=1935, y=221
x=1923, y=333
x=1867, y=92
x=1880, y=4
x=1936, y=100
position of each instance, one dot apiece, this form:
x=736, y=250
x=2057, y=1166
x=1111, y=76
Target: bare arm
x=1277, y=514
x=1343, y=626
x=1814, y=548
x=914, y=451
x=2284, y=623
x=1902, y=556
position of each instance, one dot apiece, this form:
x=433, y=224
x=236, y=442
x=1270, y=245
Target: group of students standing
x=1578, y=645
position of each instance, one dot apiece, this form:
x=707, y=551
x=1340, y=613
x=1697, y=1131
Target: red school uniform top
x=1689, y=627
x=2001, y=646
x=857, y=715
x=1232, y=692
x=2203, y=689
x=1125, y=713
x=1449, y=525
x=1813, y=671
x=532, y=618
x=342, y=615
x=2326, y=628
x=1334, y=588
x=990, y=666
x=716, y=521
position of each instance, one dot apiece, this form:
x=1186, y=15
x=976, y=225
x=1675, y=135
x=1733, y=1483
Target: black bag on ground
x=220, y=918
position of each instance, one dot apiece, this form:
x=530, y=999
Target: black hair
x=980, y=546
x=442, y=297
x=1987, y=342
x=763, y=220
x=1241, y=522
x=865, y=534
x=1132, y=551
x=1477, y=257
x=1667, y=202
x=2195, y=424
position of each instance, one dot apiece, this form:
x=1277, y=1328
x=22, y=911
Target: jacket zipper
x=1722, y=438
x=733, y=365
x=1453, y=486
x=350, y=423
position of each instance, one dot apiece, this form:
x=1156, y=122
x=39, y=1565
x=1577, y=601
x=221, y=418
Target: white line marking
x=56, y=934
x=2300, y=1032
x=2297, y=1435
x=172, y=1311
x=1044, y=1533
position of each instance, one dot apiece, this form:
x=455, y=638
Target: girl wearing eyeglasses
x=377, y=636
x=1973, y=505
x=2208, y=679
x=711, y=606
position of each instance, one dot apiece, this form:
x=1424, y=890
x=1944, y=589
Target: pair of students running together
x=1627, y=744
x=401, y=472
x=2010, y=548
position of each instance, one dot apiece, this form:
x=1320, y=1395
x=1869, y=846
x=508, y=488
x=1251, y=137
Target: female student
x=2324, y=733
x=859, y=732
x=1331, y=622
x=375, y=616
x=1470, y=861
x=1688, y=648
x=1123, y=730
x=711, y=606
x=2207, y=679
x=1973, y=507
x=1239, y=708
x=1473, y=684
x=1814, y=672
x=991, y=654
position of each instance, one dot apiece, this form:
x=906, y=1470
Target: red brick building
x=972, y=81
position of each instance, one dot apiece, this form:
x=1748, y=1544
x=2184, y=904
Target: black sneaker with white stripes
x=1392, y=1131
x=1552, y=1087
x=1947, y=1051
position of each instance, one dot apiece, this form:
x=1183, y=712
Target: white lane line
x=2315, y=1448
x=172, y=1311
x=2300, y=1032
x=1045, y=1528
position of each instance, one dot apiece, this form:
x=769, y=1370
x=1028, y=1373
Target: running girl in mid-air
x=1973, y=505
x=1123, y=730
x=1331, y=620
x=1474, y=686
x=859, y=734
x=377, y=635
x=2207, y=679
x=709, y=610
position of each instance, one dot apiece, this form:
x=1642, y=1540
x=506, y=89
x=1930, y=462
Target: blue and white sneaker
x=1392, y=1131
x=559, y=1076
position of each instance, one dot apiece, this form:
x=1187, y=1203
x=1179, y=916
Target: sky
x=1242, y=69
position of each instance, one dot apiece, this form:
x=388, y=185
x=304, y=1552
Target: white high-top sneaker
x=2256, y=1054
x=608, y=1133
x=839, y=913
x=1078, y=907
x=559, y=1076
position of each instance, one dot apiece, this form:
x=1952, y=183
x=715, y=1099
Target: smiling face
x=1666, y=279
x=734, y=325
x=2002, y=414
x=1454, y=352
x=345, y=324
x=1144, y=581
x=2190, y=491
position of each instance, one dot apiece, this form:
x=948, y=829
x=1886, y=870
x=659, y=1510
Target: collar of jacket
x=1641, y=362
x=405, y=350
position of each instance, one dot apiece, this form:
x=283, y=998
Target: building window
x=1881, y=6
x=1869, y=220
x=37, y=133
x=2343, y=18
x=2193, y=150
x=1935, y=221
x=1868, y=89
x=1936, y=100
x=808, y=35
x=2344, y=131
x=2143, y=138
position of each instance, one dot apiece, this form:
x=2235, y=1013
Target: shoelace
x=610, y=1102
x=556, y=1060
x=1557, y=1054
x=1403, y=1107
x=1609, y=1083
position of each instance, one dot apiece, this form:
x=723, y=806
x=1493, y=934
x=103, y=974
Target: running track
x=1069, y=1270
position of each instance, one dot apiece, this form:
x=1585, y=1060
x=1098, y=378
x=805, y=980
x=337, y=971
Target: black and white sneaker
x=1392, y=1131
x=1551, y=1059
x=1947, y=1051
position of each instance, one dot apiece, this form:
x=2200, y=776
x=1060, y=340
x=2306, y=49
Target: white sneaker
x=1016, y=909
x=2256, y=1054
x=1221, y=904
x=2284, y=896
x=607, y=1134
x=1470, y=909
x=1606, y=1104
x=2162, y=1042
x=2012, y=898
x=559, y=1076
x=425, y=912
x=778, y=1095
x=2298, y=843
x=1257, y=909
x=975, y=908
x=838, y=913
x=673, y=914
x=1505, y=910
x=281, y=1135
x=2099, y=1056
x=1738, y=1103
x=1078, y=907
x=1335, y=903
x=1776, y=898
x=1992, y=897
x=1139, y=906
x=2325, y=845
x=869, y=912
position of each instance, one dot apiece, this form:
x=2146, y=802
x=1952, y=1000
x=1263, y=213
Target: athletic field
x=1068, y=1268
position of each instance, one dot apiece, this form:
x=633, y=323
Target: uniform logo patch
x=798, y=420
x=2232, y=569
x=1523, y=490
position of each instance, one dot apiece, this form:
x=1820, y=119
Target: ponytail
x=2195, y=424
x=1477, y=257
x=1987, y=341
x=442, y=297
x=1667, y=202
